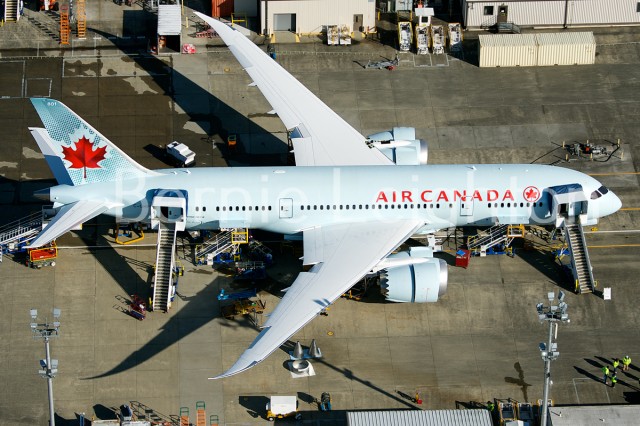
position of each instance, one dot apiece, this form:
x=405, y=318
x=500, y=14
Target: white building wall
x=603, y=12
x=530, y=13
x=313, y=15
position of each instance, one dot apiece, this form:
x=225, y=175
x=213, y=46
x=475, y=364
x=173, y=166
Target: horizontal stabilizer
x=70, y=216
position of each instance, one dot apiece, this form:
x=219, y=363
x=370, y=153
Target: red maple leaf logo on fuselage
x=84, y=156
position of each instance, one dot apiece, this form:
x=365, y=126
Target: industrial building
x=483, y=14
x=302, y=17
x=309, y=17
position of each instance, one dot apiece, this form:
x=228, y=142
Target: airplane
x=353, y=199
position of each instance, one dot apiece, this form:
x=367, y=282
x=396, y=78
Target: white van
x=181, y=153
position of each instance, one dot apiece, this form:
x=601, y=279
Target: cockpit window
x=599, y=192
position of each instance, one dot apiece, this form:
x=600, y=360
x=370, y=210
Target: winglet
x=246, y=360
x=237, y=368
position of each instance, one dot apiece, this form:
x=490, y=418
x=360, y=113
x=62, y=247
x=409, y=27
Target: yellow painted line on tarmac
x=630, y=208
x=613, y=246
x=614, y=173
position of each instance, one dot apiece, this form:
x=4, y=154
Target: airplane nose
x=613, y=204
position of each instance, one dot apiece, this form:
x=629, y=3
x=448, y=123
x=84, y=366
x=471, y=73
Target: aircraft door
x=357, y=23
x=466, y=207
x=503, y=13
x=286, y=208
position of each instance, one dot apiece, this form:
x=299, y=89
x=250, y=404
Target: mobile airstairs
x=168, y=216
x=580, y=263
x=570, y=204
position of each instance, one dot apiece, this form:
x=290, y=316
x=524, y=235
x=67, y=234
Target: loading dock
x=284, y=22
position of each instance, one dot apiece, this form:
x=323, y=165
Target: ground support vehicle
x=137, y=308
x=280, y=407
x=325, y=401
x=181, y=154
x=42, y=256
x=243, y=307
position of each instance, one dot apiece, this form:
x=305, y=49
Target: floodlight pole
x=552, y=314
x=547, y=377
x=49, y=381
x=47, y=330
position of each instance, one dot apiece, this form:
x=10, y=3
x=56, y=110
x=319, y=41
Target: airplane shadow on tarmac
x=192, y=316
x=216, y=118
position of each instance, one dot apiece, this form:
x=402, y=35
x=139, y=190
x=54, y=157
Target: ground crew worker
x=614, y=380
x=616, y=363
x=605, y=371
x=491, y=406
x=626, y=361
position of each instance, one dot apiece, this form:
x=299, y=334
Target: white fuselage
x=291, y=199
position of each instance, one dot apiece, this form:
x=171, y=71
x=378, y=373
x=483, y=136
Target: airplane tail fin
x=76, y=152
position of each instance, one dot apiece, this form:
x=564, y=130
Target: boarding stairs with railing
x=580, y=261
x=217, y=244
x=21, y=229
x=14, y=235
x=11, y=12
x=222, y=242
x=165, y=262
x=507, y=27
x=497, y=234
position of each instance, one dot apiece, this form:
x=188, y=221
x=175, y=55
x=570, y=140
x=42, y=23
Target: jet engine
x=419, y=282
x=401, y=146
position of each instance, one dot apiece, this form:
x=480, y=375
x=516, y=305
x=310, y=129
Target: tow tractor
x=43, y=256
x=280, y=407
x=325, y=401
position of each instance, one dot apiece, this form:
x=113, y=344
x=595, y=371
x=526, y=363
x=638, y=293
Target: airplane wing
x=336, y=269
x=70, y=216
x=320, y=136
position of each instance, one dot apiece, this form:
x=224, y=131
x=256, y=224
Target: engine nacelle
x=420, y=282
x=401, y=146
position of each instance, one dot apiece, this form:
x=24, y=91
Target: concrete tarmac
x=479, y=342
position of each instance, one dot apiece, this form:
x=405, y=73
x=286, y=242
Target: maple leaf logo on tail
x=84, y=156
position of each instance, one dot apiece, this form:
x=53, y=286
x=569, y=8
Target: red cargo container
x=462, y=258
x=221, y=8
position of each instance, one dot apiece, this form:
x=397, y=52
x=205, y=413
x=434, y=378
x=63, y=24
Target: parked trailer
x=455, y=37
x=437, y=39
x=333, y=36
x=422, y=39
x=404, y=36
x=345, y=36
